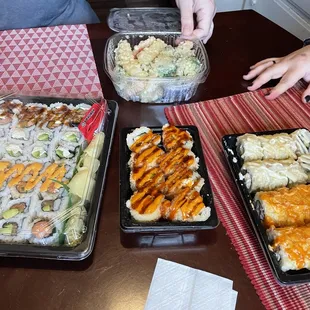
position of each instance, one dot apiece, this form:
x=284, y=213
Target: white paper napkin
x=178, y=287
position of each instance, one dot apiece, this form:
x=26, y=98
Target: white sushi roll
x=302, y=139
x=22, y=136
x=270, y=175
x=4, y=190
x=136, y=134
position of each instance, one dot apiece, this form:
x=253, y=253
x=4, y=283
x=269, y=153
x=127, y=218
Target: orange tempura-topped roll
x=285, y=206
x=174, y=138
x=292, y=246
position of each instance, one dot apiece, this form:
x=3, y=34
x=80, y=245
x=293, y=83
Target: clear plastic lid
x=145, y=20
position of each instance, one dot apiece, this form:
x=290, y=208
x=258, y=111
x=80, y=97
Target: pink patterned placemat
x=246, y=112
x=53, y=61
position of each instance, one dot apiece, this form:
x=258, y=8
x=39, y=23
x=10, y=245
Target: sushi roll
x=141, y=139
x=180, y=157
x=45, y=136
x=13, y=230
x=291, y=246
x=14, y=152
x=146, y=207
x=284, y=207
x=174, y=138
x=249, y=147
x=304, y=161
x=302, y=139
x=71, y=136
x=53, y=209
x=14, y=207
x=181, y=179
x=45, y=231
x=21, y=136
x=39, y=152
x=188, y=206
x=152, y=178
x=270, y=174
x=148, y=157
x=278, y=146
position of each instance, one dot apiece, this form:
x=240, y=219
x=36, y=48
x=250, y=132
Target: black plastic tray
x=129, y=225
x=235, y=163
x=85, y=248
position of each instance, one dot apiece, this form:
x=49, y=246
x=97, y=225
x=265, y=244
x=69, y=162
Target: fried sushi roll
x=141, y=139
x=270, y=174
x=145, y=207
x=179, y=157
x=174, y=138
x=187, y=206
x=291, y=246
x=284, y=207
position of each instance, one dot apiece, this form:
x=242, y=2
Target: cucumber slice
x=10, y=213
x=43, y=137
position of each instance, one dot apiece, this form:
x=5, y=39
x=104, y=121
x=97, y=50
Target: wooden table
x=118, y=277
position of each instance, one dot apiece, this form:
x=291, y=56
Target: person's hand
x=290, y=69
x=205, y=11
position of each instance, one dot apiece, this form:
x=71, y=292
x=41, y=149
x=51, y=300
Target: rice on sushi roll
x=53, y=209
x=302, y=138
x=142, y=138
x=145, y=207
x=174, y=138
x=74, y=230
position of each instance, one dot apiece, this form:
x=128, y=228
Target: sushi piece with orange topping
x=183, y=178
x=147, y=158
x=141, y=139
x=147, y=207
x=187, y=206
x=179, y=157
x=140, y=178
x=174, y=138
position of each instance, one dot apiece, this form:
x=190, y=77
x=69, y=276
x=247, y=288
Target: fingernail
x=267, y=94
x=307, y=98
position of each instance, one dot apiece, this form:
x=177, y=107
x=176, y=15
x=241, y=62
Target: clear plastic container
x=148, y=89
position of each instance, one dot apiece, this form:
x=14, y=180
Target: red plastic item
x=93, y=119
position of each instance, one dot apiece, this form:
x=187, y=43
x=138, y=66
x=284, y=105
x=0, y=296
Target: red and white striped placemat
x=237, y=114
x=52, y=61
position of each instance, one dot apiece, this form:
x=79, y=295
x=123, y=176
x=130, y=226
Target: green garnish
x=71, y=138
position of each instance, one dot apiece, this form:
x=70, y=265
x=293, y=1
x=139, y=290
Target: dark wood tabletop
x=118, y=274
